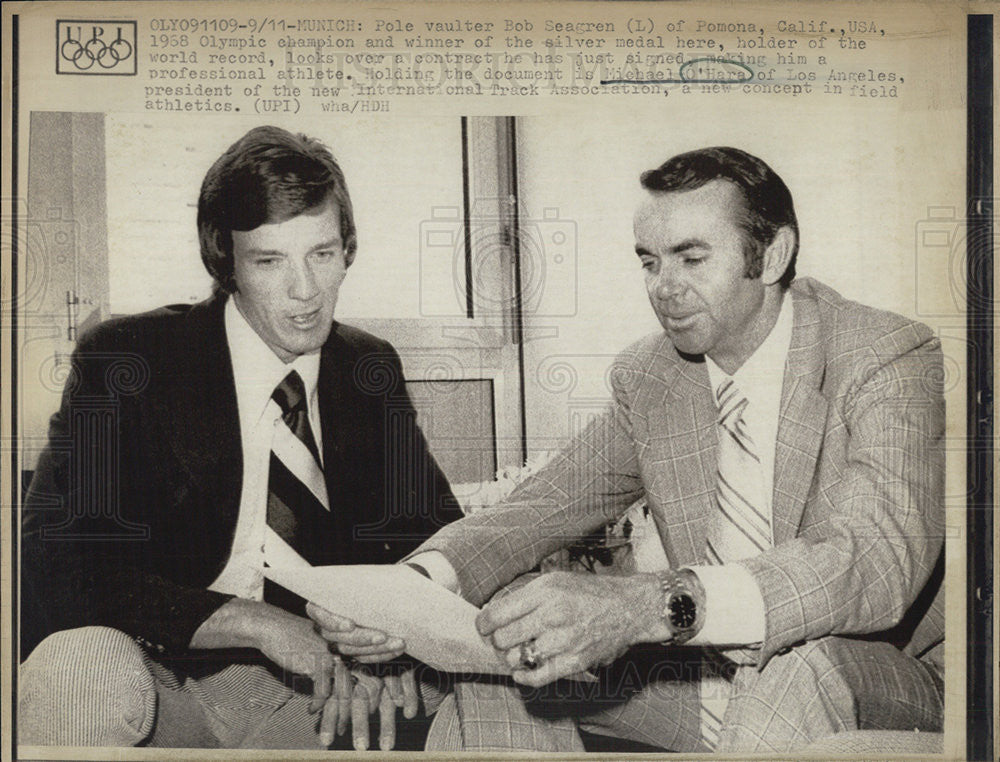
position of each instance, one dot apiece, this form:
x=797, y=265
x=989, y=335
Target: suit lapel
x=684, y=443
x=339, y=412
x=802, y=420
x=202, y=409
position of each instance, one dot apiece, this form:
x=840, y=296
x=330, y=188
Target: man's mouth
x=305, y=319
x=679, y=319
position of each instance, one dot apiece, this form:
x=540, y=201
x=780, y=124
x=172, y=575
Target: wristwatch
x=683, y=604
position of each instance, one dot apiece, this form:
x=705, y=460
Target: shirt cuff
x=734, y=607
x=438, y=568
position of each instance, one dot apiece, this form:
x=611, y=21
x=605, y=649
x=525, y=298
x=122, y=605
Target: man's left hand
x=575, y=621
x=357, y=694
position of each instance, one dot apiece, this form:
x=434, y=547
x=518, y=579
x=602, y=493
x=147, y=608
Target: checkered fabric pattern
x=857, y=510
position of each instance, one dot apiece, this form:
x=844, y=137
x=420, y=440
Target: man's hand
x=356, y=695
x=575, y=620
x=363, y=644
x=302, y=646
x=291, y=642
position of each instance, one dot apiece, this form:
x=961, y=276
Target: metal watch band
x=683, y=603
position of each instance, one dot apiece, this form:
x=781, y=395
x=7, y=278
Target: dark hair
x=767, y=199
x=269, y=175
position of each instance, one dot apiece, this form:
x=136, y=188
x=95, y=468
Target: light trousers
x=832, y=685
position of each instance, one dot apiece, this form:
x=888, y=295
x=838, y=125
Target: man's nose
x=668, y=283
x=303, y=286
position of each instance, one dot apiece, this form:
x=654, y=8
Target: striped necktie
x=742, y=525
x=297, y=501
x=740, y=528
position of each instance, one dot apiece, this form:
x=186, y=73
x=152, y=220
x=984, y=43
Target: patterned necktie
x=740, y=528
x=297, y=502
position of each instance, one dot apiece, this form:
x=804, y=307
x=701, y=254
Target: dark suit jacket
x=858, y=501
x=133, y=507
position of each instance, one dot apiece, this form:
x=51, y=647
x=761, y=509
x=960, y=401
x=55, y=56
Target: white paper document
x=438, y=627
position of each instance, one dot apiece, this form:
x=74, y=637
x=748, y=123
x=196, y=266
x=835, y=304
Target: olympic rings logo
x=101, y=50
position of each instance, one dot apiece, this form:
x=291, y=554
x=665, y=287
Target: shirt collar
x=257, y=370
x=768, y=359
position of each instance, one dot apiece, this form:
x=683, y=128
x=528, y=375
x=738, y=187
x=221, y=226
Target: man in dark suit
x=788, y=444
x=195, y=446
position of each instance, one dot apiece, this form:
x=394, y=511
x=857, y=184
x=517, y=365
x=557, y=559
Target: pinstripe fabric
x=68, y=697
x=242, y=706
x=96, y=686
x=446, y=730
x=857, y=512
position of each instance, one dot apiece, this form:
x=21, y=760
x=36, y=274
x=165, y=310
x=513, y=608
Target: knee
x=85, y=687
x=819, y=671
x=815, y=664
x=832, y=661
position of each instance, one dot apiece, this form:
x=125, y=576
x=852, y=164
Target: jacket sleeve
x=86, y=539
x=590, y=483
x=867, y=562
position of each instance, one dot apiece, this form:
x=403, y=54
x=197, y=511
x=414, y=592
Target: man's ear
x=778, y=255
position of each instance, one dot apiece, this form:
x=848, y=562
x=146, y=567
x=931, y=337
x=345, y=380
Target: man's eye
x=693, y=260
x=648, y=264
x=325, y=255
x=266, y=261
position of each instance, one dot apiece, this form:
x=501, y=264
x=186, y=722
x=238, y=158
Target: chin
x=305, y=346
x=687, y=345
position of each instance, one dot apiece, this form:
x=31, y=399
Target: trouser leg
x=95, y=686
x=85, y=687
x=662, y=706
x=650, y=695
x=828, y=686
x=207, y=704
x=251, y=704
x=490, y=714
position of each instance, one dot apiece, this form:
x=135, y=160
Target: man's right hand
x=361, y=643
x=293, y=643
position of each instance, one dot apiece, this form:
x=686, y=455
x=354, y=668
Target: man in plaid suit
x=788, y=444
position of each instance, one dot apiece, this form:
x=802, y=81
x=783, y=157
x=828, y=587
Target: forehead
x=313, y=226
x=716, y=208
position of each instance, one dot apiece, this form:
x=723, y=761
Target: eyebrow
x=686, y=245
x=332, y=243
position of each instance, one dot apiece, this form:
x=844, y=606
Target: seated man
x=194, y=446
x=788, y=443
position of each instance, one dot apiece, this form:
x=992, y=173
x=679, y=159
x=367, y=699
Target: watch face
x=682, y=611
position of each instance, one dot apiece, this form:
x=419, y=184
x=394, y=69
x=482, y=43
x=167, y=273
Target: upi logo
x=96, y=47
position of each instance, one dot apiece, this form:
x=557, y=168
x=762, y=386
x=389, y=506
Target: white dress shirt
x=257, y=370
x=734, y=610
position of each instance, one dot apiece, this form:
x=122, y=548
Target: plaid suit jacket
x=858, y=485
